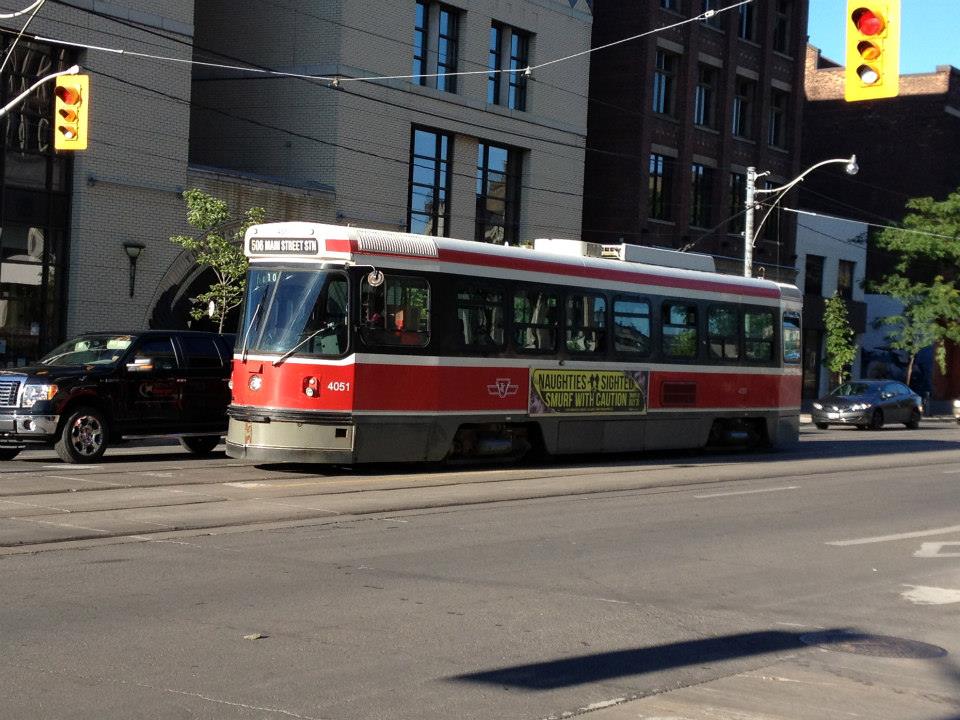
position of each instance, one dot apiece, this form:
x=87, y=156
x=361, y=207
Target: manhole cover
x=874, y=645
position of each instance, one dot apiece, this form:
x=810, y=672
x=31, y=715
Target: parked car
x=869, y=404
x=100, y=388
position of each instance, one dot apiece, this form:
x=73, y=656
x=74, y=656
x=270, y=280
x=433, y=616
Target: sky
x=929, y=32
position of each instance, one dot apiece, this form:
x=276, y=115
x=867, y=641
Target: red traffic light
x=68, y=95
x=867, y=21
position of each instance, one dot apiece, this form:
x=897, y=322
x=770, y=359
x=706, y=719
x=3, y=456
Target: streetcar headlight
x=255, y=382
x=34, y=393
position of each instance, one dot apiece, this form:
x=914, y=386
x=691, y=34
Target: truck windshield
x=89, y=350
x=285, y=308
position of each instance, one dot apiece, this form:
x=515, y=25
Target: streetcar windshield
x=301, y=312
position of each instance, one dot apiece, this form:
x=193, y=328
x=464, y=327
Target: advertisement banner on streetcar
x=588, y=391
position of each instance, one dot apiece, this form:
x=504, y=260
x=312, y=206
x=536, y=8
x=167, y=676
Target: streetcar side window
x=395, y=312
x=631, y=325
x=586, y=323
x=535, y=320
x=723, y=332
x=758, y=333
x=679, y=329
x=480, y=319
x=791, y=338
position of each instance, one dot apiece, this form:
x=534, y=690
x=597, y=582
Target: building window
x=704, y=96
x=663, y=78
x=738, y=198
x=519, y=61
x=443, y=37
x=670, y=5
x=783, y=9
x=508, y=69
x=778, y=119
x=429, y=211
x=498, y=194
x=713, y=20
x=493, y=64
x=745, y=22
x=420, y=43
x=813, y=275
x=447, y=49
x=701, y=211
x=845, y=279
x=742, y=121
x=661, y=187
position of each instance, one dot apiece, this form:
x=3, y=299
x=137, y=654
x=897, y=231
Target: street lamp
x=748, y=232
x=72, y=70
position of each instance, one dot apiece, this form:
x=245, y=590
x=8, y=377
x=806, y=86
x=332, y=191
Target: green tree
x=920, y=324
x=841, y=350
x=215, y=249
x=926, y=278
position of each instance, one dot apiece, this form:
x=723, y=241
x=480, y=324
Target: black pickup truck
x=100, y=388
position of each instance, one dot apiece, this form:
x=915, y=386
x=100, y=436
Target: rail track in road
x=160, y=493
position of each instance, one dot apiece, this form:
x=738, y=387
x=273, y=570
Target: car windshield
x=286, y=307
x=89, y=350
x=851, y=389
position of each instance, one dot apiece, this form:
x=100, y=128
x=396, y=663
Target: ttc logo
x=503, y=388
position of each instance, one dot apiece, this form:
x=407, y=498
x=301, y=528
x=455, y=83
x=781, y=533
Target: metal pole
x=20, y=98
x=748, y=223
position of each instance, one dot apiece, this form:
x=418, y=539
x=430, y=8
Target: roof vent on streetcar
x=662, y=257
x=560, y=246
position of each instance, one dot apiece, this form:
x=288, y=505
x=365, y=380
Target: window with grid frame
x=714, y=20
x=704, y=96
x=661, y=187
x=586, y=318
x=758, y=335
x=519, y=61
x=663, y=82
x=723, y=332
x=419, y=68
x=430, y=175
x=813, y=275
x=631, y=325
x=778, y=118
x=494, y=66
x=678, y=327
x=738, y=198
x=447, y=48
x=535, y=320
x=742, y=120
x=701, y=191
x=783, y=11
x=498, y=194
x=745, y=22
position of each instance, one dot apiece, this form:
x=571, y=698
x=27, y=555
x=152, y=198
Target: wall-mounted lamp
x=133, y=250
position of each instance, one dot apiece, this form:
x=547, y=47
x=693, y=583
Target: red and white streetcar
x=368, y=346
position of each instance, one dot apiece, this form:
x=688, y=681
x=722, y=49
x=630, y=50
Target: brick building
x=906, y=147
x=494, y=155
x=676, y=119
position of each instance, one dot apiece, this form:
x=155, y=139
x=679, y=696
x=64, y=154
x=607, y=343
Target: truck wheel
x=83, y=437
x=9, y=453
x=200, y=445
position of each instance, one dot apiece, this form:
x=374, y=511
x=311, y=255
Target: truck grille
x=8, y=392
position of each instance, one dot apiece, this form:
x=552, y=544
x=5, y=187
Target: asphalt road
x=820, y=582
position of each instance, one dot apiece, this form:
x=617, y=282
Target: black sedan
x=869, y=404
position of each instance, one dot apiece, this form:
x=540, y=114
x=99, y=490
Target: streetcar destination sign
x=284, y=246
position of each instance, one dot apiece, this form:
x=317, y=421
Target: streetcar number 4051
x=338, y=386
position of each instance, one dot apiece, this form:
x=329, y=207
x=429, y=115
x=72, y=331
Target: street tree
x=926, y=278
x=218, y=245
x=841, y=350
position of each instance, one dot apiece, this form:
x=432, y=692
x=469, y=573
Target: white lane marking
x=747, y=492
x=925, y=595
x=34, y=505
x=951, y=472
x=85, y=467
x=935, y=549
x=86, y=480
x=899, y=536
x=62, y=525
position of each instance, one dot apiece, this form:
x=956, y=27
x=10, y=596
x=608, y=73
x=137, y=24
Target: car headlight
x=817, y=406
x=860, y=406
x=956, y=403
x=33, y=393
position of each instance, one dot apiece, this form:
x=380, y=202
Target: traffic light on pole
x=873, y=50
x=71, y=107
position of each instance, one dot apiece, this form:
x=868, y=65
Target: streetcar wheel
x=201, y=444
x=9, y=453
x=83, y=437
x=876, y=420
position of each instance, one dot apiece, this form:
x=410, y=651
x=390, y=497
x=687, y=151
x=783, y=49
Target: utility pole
x=748, y=223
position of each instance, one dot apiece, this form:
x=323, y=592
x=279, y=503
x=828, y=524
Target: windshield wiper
x=243, y=347
x=323, y=328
